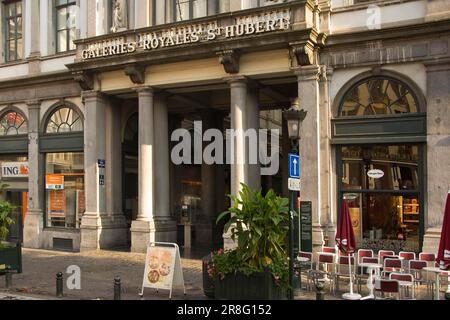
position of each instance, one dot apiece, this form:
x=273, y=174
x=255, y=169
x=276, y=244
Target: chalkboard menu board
x=306, y=225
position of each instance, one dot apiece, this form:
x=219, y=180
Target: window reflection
x=379, y=97
x=398, y=165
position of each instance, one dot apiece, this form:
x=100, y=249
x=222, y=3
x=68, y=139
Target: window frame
x=66, y=30
x=18, y=113
x=6, y=18
x=58, y=109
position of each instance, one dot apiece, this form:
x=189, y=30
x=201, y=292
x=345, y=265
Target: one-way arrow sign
x=294, y=166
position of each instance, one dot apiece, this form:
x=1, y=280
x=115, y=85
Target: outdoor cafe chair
x=391, y=265
x=407, y=256
x=383, y=253
x=342, y=270
x=325, y=265
x=329, y=250
x=390, y=287
x=364, y=253
x=406, y=279
x=430, y=258
x=304, y=268
x=362, y=274
x=416, y=269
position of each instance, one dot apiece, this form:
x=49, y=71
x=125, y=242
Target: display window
x=64, y=188
x=381, y=184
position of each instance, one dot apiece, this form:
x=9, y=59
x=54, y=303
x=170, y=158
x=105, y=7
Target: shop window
x=382, y=188
x=64, y=186
x=379, y=96
x=13, y=123
x=64, y=120
x=65, y=25
x=13, y=23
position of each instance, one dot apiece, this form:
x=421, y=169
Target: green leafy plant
x=5, y=220
x=259, y=225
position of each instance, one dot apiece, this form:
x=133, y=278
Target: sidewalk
x=98, y=270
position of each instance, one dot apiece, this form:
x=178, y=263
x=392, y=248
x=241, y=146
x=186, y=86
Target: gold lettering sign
x=244, y=26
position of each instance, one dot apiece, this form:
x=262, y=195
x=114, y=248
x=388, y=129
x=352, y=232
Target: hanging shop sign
x=163, y=269
x=15, y=169
x=54, y=182
x=243, y=26
x=376, y=174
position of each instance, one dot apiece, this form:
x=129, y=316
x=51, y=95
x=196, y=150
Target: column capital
x=91, y=95
x=144, y=90
x=308, y=73
x=33, y=103
x=236, y=80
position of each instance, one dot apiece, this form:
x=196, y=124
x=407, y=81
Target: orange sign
x=54, y=182
x=57, y=202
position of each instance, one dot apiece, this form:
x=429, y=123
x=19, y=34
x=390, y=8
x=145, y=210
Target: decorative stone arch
x=12, y=108
x=416, y=91
x=55, y=107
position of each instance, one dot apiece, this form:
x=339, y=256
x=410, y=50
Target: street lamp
x=294, y=117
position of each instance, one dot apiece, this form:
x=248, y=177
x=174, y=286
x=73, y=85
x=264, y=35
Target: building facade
x=92, y=91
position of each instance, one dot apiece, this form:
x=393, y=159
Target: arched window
x=378, y=96
x=13, y=123
x=64, y=120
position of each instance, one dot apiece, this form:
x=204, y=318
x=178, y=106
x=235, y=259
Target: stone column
x=113, y=170
x=252, y=116
x=165, y=226
x=32, y=38
x=205, y=223
x=143, y=229
x=221, y=194
x=438, y=152
x=310, y=155
x=141, y=13
x=328, y=212
x=239, y=168
x=153, y=222
x=244, y=113
x=34, y=221
x=98, y=229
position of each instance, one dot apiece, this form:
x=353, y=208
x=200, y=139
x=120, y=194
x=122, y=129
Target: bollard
x=59, y=285
x=117, y=288
x=320, y=290
x=8, y=278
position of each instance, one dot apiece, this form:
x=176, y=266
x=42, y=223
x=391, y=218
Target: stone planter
x=258, y=286
x=11, y=256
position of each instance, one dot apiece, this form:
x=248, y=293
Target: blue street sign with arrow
x=294, y=166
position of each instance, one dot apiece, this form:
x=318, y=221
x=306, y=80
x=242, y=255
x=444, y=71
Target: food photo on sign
x=160, y=262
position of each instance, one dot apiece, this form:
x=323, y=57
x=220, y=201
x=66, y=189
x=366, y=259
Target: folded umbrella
x=443, y=257
x=345, y=240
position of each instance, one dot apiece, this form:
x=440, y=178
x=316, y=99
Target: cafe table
x=371, y=268
x=437, y=273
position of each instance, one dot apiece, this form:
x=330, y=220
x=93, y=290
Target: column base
x=32, y=230
x=318, y=237
x=156, y=230
x=431, y=240
x=103, y=232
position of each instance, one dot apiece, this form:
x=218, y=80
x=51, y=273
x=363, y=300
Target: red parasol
x=345, y=240
x=345, y=237
x=443, y=258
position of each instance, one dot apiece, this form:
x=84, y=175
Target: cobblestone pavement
x=98, y=270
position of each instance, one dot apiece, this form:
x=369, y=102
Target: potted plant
x=258, y=268
x=10, y=254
